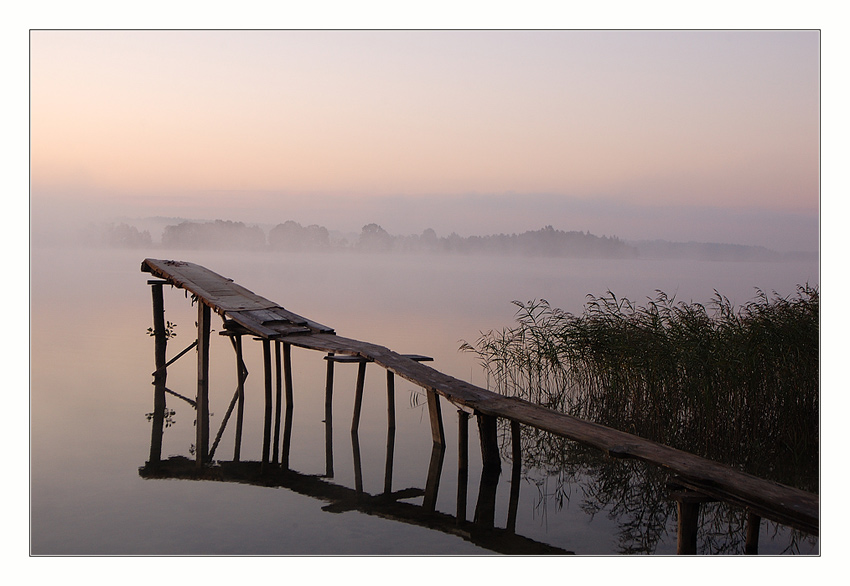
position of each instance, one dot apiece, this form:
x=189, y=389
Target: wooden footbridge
x=695, y=479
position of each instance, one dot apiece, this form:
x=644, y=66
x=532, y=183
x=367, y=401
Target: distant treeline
x=290, y=236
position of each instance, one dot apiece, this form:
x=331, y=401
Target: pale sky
x=324, y=126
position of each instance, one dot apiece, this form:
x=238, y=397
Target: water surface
x=91, y=364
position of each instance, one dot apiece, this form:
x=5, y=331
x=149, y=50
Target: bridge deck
x=770, y=500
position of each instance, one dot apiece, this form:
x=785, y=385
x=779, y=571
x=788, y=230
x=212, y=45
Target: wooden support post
x=388, y=469
x=436, y=418
x=390, y=400
x=202, y=425
x=240, y=401
x=432, y=484
x=688, y=523
x=277, y=401
x=358, y=395
x=267, y=419
x=329, y=435
x=489, y=442
x=462, y=463
x=287, y=428
x=159, y=380
x=485, y=507
x=516, y=473
x=753, y=525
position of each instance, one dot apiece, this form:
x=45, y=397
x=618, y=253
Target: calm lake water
x=91, y=364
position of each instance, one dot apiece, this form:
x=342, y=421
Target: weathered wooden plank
x=224, y=295
x=218, y=292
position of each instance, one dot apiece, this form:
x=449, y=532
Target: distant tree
x=287, y=236
x=116, y=236
x=374, y=238
x=216, y=235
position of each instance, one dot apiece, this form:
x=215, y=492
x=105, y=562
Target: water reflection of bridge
x=390, y=504
x=697, y=480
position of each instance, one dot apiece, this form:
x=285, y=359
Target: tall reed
x=740, y=386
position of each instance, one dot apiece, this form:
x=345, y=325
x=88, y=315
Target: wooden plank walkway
x=263, y=318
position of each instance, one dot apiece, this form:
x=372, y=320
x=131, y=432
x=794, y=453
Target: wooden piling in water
x=390, y=400
x=202, y=423
x=436, y=418
x=432, y=483
x=489, y=441
x=751, y=547
x=240, y=390
x=159, y=381
x=329, y=436
x=358, y=395
x=462, y=463
x=388, y=468
x=267, y=419
x=278, y=387
x=358, y=471
x=516, y=473
x=290, y=405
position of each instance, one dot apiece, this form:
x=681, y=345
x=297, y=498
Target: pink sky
x=175, y=122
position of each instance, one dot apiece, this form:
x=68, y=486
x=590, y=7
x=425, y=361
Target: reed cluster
x=740, y=386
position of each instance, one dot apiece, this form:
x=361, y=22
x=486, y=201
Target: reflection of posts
x=432, y=484
x=687, y=508
x=160, y=341
x=753, y=524
x=388, y=471
x=358, y=472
